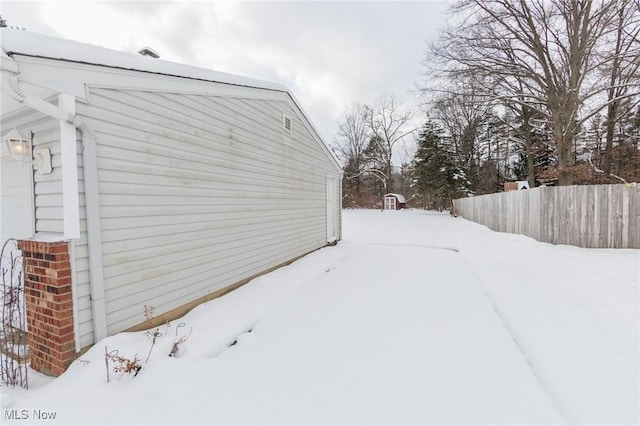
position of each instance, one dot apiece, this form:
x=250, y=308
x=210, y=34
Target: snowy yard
x=414, y=318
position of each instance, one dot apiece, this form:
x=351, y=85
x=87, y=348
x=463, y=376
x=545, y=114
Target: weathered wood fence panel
x=595, y=216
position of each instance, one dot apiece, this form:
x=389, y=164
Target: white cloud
x=328, y=53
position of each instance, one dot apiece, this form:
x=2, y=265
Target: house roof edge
x=25, y=43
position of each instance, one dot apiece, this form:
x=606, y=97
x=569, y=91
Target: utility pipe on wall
x=94, y=239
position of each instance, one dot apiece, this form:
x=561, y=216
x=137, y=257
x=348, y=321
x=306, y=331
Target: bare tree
x=622, y=66
x=353, y=132
x=351, y=142
x=534, y=53
x=388, y=122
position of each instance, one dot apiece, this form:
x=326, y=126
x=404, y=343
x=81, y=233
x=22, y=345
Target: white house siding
x=82, y=278
x=199, y=192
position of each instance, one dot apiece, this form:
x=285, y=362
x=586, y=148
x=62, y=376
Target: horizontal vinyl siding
x=47, y=188
x=200, y=192
x=83, y=283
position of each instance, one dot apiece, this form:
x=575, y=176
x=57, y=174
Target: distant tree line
x=546, y=91
x=370, y=141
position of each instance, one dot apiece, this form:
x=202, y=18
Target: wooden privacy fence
x=596, y=216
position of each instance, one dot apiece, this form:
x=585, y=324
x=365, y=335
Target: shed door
x=16, y=198
x=332, y=208
x=389, y=203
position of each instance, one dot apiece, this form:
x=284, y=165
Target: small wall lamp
x=20, y=149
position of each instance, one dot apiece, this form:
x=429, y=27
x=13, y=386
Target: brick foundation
x=49, y=305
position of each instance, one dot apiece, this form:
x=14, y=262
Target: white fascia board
x=72, y=78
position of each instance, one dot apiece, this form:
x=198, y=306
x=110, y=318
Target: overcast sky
x=328, y=54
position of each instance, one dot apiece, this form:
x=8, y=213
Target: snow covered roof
x=27, y=44
x=37, y=45
x=400, y=197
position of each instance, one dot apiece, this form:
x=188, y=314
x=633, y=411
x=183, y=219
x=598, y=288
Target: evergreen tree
x=437, y=178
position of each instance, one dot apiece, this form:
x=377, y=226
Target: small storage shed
x=394, y=202
x=169, y=185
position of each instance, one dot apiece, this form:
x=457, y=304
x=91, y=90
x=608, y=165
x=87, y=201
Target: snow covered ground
x=414, y=318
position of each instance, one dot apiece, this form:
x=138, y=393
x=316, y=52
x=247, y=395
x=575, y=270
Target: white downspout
x=94, y=239
x=10, y=67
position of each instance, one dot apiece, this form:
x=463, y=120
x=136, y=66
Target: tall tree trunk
x=528, y=145
x=612, y=108
x=531, y=172
x=564, y=160
x=389, y=179
x=610, y=130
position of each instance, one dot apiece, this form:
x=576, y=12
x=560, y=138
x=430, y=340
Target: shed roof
x=400, y=197
x=37, y=45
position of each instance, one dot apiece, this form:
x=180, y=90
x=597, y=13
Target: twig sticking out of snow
x=106, y=361
x=236, y=340
x=155, y=335
x=177, y=343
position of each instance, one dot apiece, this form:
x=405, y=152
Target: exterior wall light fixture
x=20, y=149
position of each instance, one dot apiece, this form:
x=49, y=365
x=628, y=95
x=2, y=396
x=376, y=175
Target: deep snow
x=415, y=317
